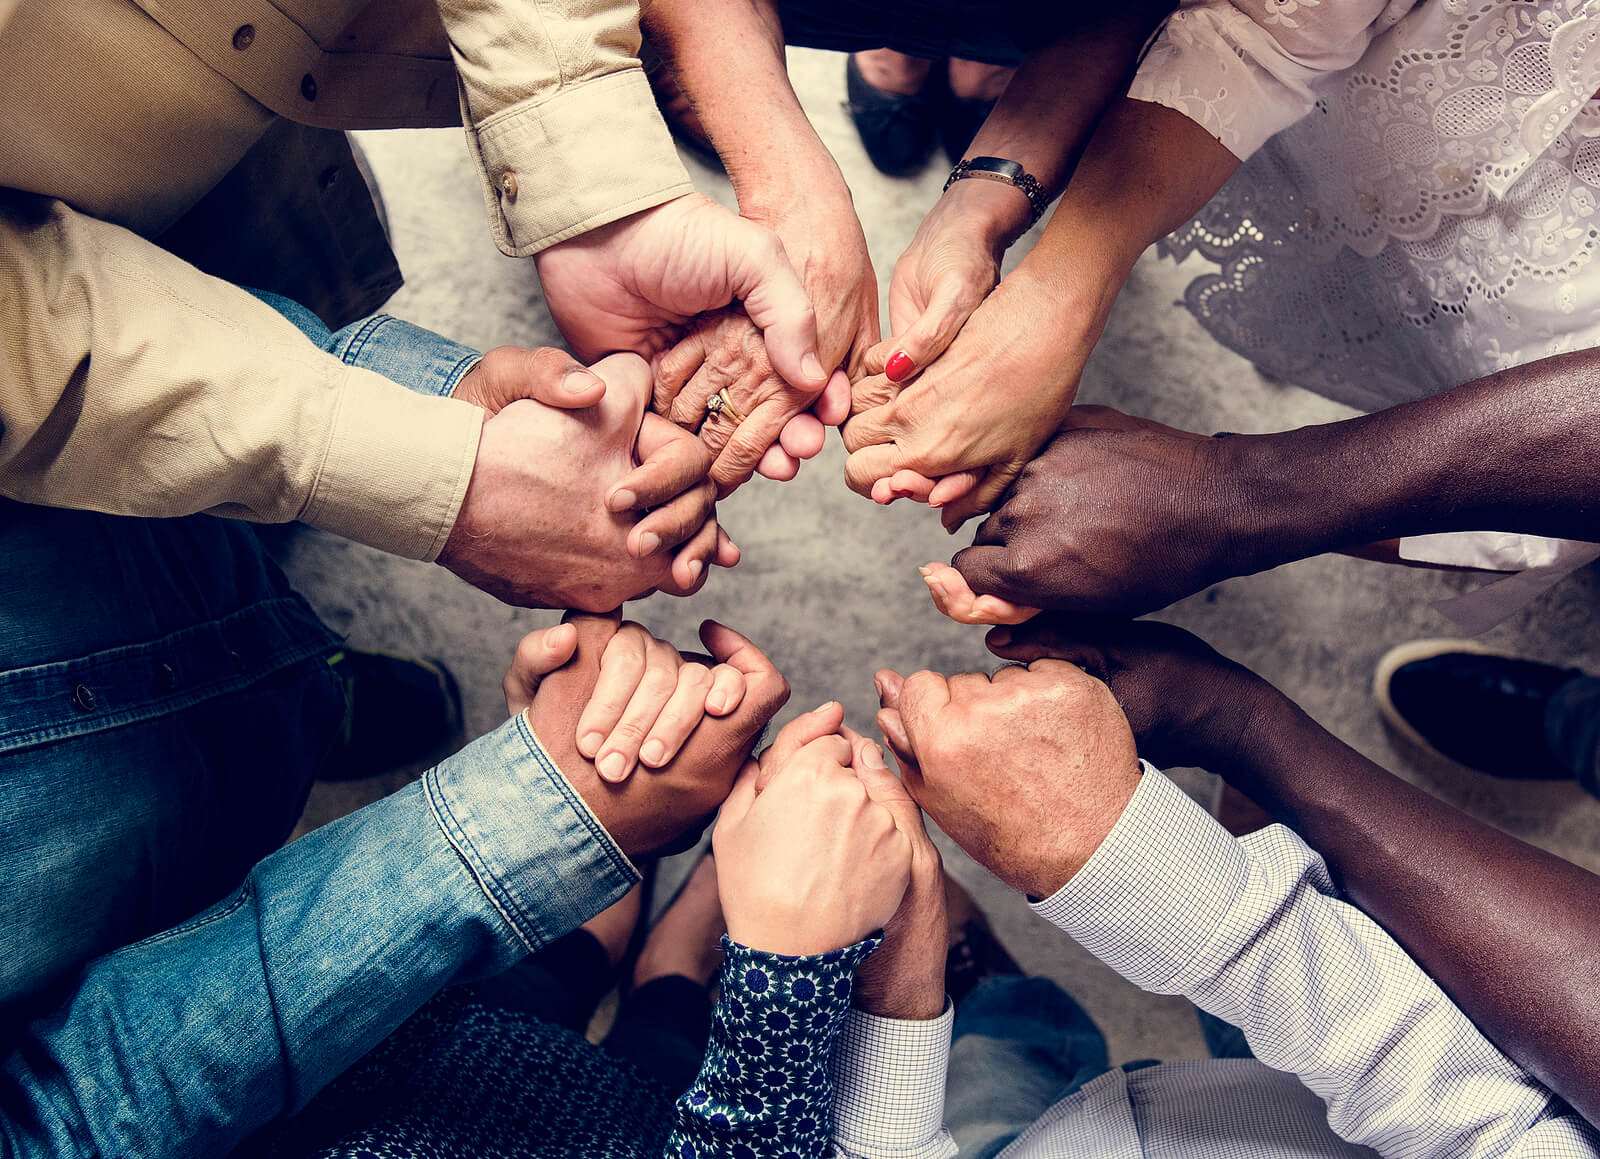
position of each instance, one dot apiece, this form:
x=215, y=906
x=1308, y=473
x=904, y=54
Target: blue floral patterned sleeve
x=764, y=1090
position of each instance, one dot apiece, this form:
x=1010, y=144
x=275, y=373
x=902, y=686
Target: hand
x=665, y=810
x=981, y=410
x=959, y=602
x=782, y=425
x=1027, y=771
x=904, y=978
x=647, y=701
x=1187, y=705
x=545, y=374
x=807, y=862
x=814, y=219
x=635, y=284
x=587, y=508
x=1117, y=515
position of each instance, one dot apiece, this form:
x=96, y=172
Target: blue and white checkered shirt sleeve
x=1252, y=931
x=888, y=1088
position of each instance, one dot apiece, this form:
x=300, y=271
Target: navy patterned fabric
x=765, y=1090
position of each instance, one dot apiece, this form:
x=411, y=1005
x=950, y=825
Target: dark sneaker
x=898, y=130
x=1458, y=700
x=399, y=711
x=959, y=123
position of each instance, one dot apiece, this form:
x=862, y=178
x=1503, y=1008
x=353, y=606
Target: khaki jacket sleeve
x=559, y=116
x=133, y=384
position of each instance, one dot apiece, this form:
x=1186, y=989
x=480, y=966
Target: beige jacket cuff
x=396, y=466
x=592, y=153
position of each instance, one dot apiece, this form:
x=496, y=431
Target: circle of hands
x=598, y=484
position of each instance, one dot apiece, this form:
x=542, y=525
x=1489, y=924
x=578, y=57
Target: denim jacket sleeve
x=765, y=1088
x=185, y=1043
x=402, y=352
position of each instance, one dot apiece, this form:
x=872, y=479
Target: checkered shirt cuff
x=888, y=1086
x=1152, y=897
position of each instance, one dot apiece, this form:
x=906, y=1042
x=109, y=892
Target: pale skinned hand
x=1117, y=515
x=1027, y=771
x=637, y=283
x=649, y=697
x=979, y=412
x=666, y=809
x=955, y=599
x=587, y=508
x=810, y=862
x=904, y=978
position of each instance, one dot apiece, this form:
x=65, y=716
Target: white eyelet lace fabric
x=1432, y=215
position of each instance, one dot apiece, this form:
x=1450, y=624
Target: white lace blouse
x=1417, y=207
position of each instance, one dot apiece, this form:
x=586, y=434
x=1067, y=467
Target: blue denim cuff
x=540, y=855
x=417, y=359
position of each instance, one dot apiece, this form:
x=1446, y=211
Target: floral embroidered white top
x=1417, y=207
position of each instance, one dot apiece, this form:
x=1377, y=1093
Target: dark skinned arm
x=1119, y=515
x=1510, y=932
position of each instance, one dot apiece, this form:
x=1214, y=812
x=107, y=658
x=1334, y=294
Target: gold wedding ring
x=721, y=404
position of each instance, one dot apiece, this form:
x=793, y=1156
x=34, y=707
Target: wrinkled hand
x=1027, y=771
x=1187, y=704
x=979, y=412
x=807, y=861
x=666, y=809
x=904, y=978
x=635, y=285
x=587, y=508
x=1117, y=515
x=647, y=701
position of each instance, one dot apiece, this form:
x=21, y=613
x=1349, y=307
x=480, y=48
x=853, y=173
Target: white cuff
x=888, y=1086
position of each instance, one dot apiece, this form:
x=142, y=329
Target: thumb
x=822, y=721
x=741, y=797
x=926, y=338
x=761, y=277
x=539, y=654
x=508, y=374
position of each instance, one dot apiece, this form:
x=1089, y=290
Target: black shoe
x=1458, y=700
x=960, y=122
x=898, y=130
x=399, y=710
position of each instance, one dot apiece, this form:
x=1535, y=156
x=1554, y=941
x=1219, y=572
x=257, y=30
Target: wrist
x=993, y=213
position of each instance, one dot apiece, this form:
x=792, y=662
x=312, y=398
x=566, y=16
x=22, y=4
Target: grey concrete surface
x=829, y=584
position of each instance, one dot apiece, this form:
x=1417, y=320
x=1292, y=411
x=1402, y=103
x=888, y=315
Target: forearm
x=1513, y=451
x=185, y=1043
x=728, y=58
x=1508, y=931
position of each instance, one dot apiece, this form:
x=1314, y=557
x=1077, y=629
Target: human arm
x=1485, y=914
x=1250, y=931
x=1504, y=452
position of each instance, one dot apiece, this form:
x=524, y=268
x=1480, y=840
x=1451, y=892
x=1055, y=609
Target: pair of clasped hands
x=818, y=843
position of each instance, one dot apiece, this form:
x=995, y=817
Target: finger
x=952, y=487
x=833, y=404
x=866, y=466
x=803, y=436
x=761, y=428
x=824, y=720
x=679, y=716
x=956, y=600
x=545, y=374
x=986, y=569
x=777, y=464
x=926, y=338
x=871, y=393
x=870, y=427
x=765, y=693
x=690, y=566
x=675, y=522
x=622, y=666
x=829, y=753
x=671, y=460
x=726, y=691
x=674, y=368
x=921, y=700
x=1048, y=638
x=762, y=278
x=876, y=355
x=727, y=553
x=688, y=409
x=537, y=655
x=740, y=797
x=981, y=498
x=619, y=755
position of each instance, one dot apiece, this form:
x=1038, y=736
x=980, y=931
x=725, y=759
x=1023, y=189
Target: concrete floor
x=829, y=584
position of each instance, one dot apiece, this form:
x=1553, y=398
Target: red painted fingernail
x=899, y=366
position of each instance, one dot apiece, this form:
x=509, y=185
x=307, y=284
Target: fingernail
x=695, y=567
x=899, y=366
x=811, y=367
x=825, y=705
x=718, y=702
x=623, y=500
x=652, y=752
x=591, y=742
x=999, y=637
x=872, y=756
x=612, y=766
x=925, y=571
x=579, y=382
x=648, y=543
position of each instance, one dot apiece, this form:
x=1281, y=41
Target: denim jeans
x=1572, y=729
